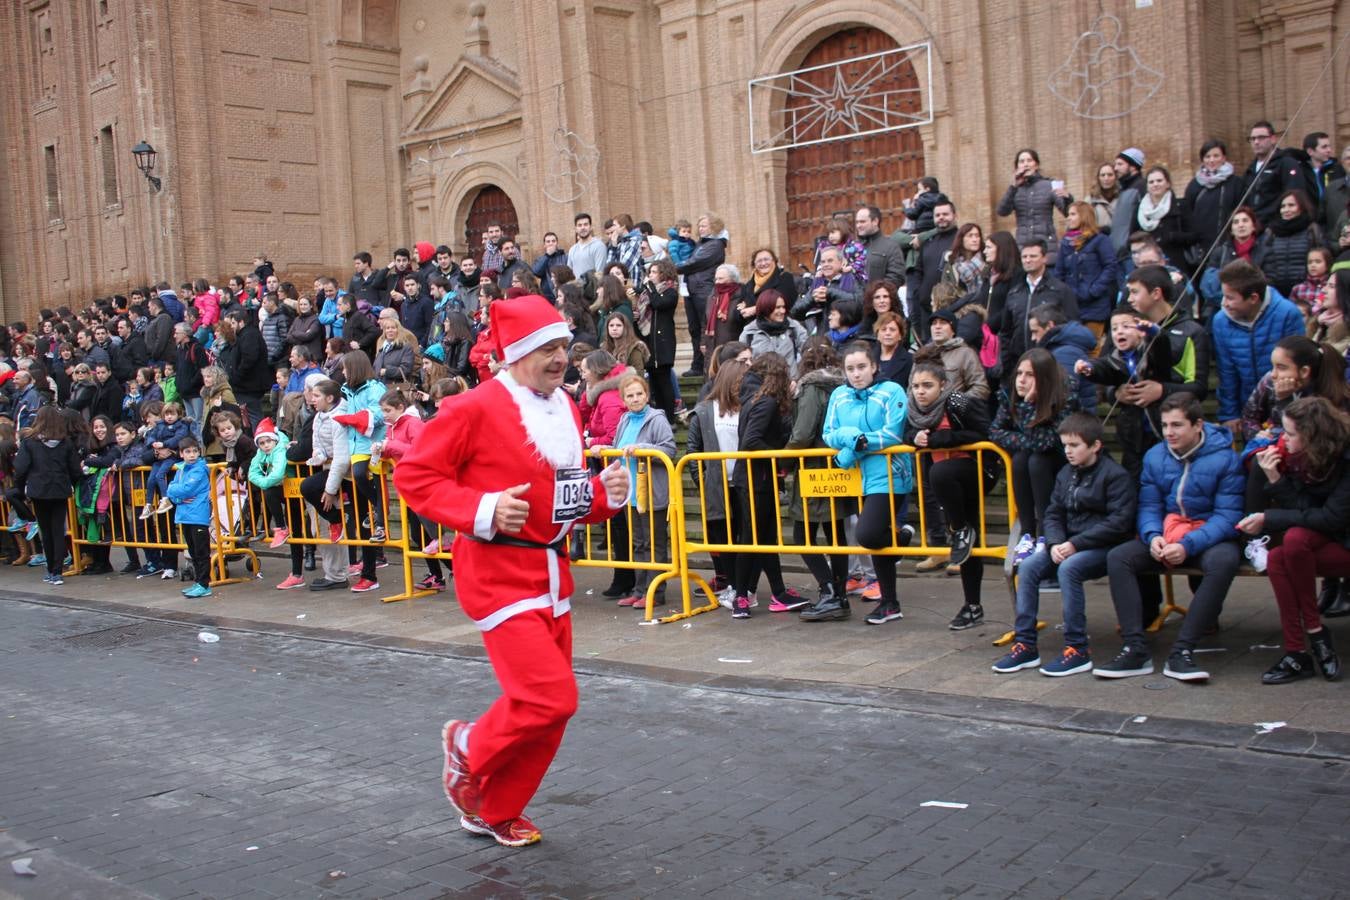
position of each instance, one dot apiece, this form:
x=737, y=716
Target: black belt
x=557, y=546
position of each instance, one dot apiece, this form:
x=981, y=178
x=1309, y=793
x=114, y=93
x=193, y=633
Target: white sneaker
x=1025, y=547
x=169, y=574
x=725, y=596
x=1256, y=552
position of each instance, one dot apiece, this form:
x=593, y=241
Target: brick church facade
x=308, y=129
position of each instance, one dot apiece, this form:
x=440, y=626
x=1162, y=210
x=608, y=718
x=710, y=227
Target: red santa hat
x=522, y=325
x=361, y=420
x=266, y=429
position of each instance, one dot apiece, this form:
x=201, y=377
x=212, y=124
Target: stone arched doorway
x=838, y=175
x=490, y=205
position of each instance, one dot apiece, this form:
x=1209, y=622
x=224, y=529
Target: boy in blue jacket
x=1190, y=501
x=682, y=243
x=190, y=493
x=164, y=437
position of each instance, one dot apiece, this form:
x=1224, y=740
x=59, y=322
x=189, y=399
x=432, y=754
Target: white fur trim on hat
x=536, y=339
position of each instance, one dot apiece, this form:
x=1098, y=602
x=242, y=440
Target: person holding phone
x=1032, y=199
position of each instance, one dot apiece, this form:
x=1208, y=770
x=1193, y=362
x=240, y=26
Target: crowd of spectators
x=1125, y=307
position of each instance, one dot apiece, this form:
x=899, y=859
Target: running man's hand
x=511, y=511
x=615, y=479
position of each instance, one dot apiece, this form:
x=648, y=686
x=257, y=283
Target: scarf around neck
x=1215, y=178
x=721, y=305
x=1243, y=249
x=928, y=418
x=760, y=282
x=840, y=335
x=769, y=326
x=1286, y=227
x=1150, y=213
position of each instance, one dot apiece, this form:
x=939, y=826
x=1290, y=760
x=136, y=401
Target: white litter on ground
x=1139, y=720
x=23, y=866
x=207, y=637
x=944, y=804
x=1268, y=727
x=727, y=659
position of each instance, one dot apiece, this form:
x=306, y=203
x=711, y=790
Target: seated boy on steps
x=1092, y=509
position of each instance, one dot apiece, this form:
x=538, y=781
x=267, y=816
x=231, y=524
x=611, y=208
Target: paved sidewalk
x=916, y=657
x=264, y=766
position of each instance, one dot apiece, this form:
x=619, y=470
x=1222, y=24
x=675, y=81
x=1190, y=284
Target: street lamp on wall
x=145, y=161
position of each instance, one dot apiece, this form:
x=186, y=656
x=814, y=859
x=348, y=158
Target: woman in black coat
x=661, y=293
x=46, y=469
x=456, y=343
x=1004, y=271
x=1212, y=195
x=1292, y=234
x=765, y=424
x=358, y=327
x=766, y=274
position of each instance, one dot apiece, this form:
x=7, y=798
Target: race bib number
x=571, y=495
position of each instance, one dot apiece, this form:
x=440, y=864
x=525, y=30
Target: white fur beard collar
x=548, y=424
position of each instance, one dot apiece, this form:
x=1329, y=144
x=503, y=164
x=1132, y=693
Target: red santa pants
x=512, y=745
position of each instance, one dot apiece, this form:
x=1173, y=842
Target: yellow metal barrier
x=415, y=549
x=122, y=525
x=838, y=486
x=645, y=514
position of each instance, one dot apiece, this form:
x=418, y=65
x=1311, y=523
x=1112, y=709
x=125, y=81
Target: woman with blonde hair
x=699, y=272
x=1087, y=264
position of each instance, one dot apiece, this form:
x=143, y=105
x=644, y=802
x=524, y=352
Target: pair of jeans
x=957, y=485
x=198, y=540
x=1078, y=568
x=1293, y=568
x=1132, y=559
x=650, y=533
x=880, y=519
x=760, y=529
x=1033, y=481
x=831, y=569
x=51, y=520
x=696, y=317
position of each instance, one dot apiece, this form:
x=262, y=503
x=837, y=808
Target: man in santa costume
x=502, y=465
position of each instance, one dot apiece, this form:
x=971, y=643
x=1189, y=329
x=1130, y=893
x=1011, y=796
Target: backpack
x=989, y=348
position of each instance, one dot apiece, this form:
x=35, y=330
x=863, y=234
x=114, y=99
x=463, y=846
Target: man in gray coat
x=885, y=257
x=1128, y=165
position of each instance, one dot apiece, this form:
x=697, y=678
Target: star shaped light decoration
x=849, y=98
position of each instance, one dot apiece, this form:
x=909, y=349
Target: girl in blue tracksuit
x=190, y=493
x=865, y=417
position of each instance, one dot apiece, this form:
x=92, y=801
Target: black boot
x=309, y=557
x=1341, y=605
x=1293, y=666
x=1331, y=589
x=1325, y=654
x=832, y=606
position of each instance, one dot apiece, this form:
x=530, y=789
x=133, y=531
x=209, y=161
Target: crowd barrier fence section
x=112, y=517
x=242, y=515
x=817, y=480
x=641, y=530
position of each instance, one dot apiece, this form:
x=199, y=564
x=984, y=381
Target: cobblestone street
x=266, y=766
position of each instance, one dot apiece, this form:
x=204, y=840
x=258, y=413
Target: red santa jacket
x=482, y=442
